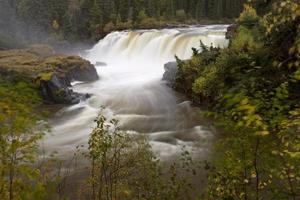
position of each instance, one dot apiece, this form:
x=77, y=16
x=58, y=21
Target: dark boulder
x=170, y=73
x=57, y=89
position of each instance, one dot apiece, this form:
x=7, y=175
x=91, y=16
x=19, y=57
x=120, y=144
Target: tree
x=19, y=136
x=180, y=15
x=124, y=167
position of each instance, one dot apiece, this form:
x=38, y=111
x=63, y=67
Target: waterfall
x=131, y=89
x=150, y=49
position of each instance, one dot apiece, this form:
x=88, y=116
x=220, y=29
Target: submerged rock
x=52, y=73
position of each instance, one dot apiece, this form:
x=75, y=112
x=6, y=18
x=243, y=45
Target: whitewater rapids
x=131, y=89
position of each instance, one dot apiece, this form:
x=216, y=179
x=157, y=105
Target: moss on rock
x=49, y=71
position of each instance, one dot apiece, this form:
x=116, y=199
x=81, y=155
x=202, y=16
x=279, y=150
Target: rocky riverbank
x=51, y=72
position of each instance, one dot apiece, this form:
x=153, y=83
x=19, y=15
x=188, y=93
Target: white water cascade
x=131, y=89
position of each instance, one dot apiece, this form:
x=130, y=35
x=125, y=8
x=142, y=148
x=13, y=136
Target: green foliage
x=141, y=16
x=188, y=71
x=18, y=141
x=181, y=15
x=252, y=87
x=86, y=19
x=124, y=167
x=246, y=38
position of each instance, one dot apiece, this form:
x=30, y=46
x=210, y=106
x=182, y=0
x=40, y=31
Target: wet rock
x=170, y=73
x=58, y=88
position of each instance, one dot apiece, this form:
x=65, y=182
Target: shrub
x=124, y=167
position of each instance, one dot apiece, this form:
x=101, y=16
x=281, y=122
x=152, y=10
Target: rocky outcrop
x=52, y=73
x=54, y=91
x=56, y=87
x=170, y=73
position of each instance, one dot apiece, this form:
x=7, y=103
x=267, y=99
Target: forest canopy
x=91, y=19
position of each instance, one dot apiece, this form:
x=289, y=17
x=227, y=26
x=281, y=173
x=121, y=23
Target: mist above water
x=131, y=89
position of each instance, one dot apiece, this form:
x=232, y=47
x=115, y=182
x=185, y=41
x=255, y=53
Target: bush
x=124, y=167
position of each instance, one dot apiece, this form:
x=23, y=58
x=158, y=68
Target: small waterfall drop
x=130, y=87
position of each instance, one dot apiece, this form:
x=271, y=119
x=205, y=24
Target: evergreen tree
x=86, y=18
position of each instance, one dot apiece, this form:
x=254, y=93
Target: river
x=131, y=89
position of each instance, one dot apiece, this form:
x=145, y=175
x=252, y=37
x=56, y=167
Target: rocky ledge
x=51, y=72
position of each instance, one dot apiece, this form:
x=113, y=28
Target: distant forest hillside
x=75, y=20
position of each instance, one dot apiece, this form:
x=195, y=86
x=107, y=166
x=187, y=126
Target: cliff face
x=52, y=73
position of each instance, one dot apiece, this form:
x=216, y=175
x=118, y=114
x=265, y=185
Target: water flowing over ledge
x=130, y=87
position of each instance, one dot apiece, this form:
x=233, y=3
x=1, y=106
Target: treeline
x=105, y=16
x=91, y=19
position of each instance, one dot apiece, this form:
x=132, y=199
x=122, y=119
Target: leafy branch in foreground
x=19, y=136
x=123, y=166
x=23, y=174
